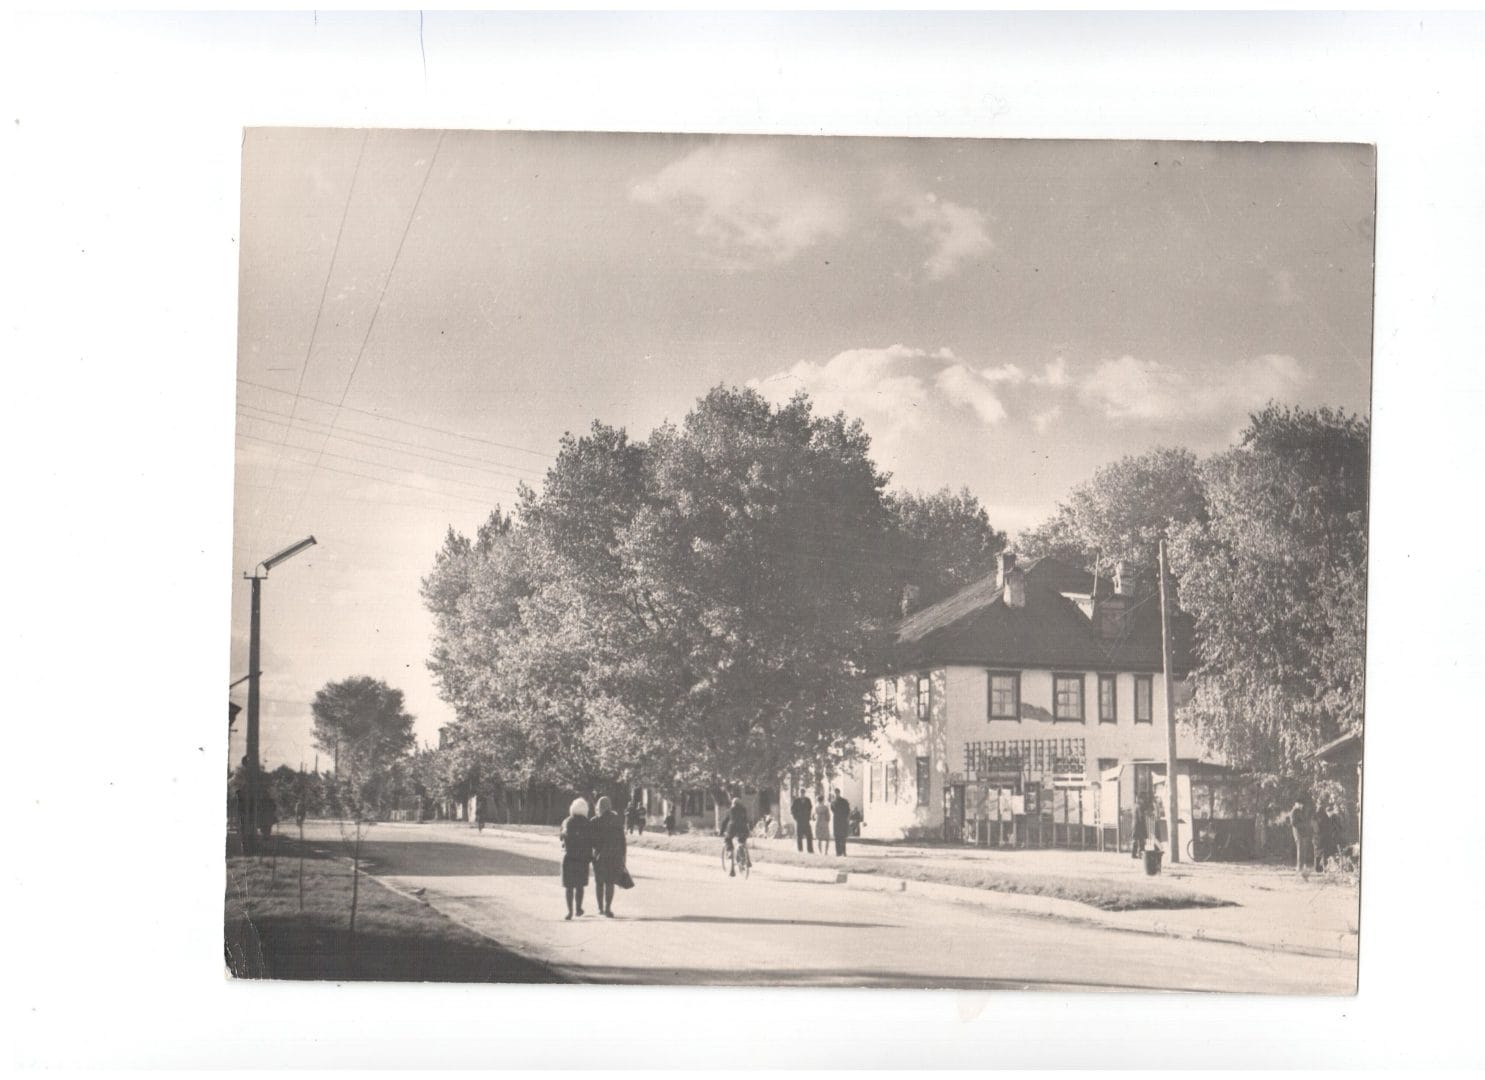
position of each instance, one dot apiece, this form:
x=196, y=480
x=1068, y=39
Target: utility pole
x=252, y=766
x=1172, y=814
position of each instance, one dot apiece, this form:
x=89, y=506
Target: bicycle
x=1207, y=843
x=737, y=858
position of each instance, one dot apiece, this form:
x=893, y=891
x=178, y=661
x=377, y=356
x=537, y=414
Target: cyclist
x=735, y=828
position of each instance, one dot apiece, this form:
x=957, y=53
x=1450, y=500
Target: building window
x=1144, y=699
x=1108, y=699
x=1067, y=698
x=925, y=692
x=889, y=695
x=922, y=781
x=871, y=781
x=889, y=782
x=1005, y=695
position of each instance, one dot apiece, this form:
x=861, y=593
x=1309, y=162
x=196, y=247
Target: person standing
x=577, y=853
x=670, y=821
x=609, y=851
x=822, y=822
x=1303, y=824
x=802, y=809
x=840, y=816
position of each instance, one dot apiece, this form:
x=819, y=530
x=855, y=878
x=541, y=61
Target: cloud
x=755, y=205
x=958, y=233
x=886, y=388
x=1043, y=420
x=1133, y=389
x=962, y=385
x=746, y=201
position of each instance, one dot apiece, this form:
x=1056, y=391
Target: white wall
x=959, y=715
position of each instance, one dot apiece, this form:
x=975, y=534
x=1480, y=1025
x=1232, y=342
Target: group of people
x=1314, y=837
x=598, y=843
x=818, y=820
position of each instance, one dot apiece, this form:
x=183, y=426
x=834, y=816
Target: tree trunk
x=355, y=895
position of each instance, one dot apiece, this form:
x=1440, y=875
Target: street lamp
x=248, y=825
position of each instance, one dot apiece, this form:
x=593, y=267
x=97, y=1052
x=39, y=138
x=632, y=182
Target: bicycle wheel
x=1200, y=849
x=726, y=861
x=744, y=862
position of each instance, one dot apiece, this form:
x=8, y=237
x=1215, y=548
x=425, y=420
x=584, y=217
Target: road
x=686, y=922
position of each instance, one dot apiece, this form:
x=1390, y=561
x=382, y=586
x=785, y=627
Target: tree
x=1276, y=580
x=1123, y=512
x=944, y=542
x=697, y=609
x=361, y=721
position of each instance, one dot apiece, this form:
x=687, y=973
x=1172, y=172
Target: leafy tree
x=1123, y=512
x=362, y=722
x=944, y=541
x=1276, y=579
x=697, y=609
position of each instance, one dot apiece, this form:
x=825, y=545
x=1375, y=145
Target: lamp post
x=252, y=767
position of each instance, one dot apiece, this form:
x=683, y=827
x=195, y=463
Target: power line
x=277, y=419
x=396, y=483
x=371, y=323
x=399, y=420
x=320, y=309
x=381, y=465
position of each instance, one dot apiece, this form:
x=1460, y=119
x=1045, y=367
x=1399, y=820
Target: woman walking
x=609, y=850
x=577, y=853
x=822, y=823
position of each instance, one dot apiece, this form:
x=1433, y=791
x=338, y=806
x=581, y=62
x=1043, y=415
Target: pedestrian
x=1324, y=838
x=577, y=853
x=840, y=815
x=670, y=822
x=610, y=848
x=822, y=822
x=802, y=810
x=1302, y=822
x=1141, y=828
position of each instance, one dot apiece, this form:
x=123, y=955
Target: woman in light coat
x=822, y=823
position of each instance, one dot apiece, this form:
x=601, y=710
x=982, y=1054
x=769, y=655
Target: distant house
x=1028, y=709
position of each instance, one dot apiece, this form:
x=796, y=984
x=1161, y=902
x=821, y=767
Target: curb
x=1070, y=911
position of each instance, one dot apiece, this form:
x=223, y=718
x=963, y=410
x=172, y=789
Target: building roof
x=976, y=626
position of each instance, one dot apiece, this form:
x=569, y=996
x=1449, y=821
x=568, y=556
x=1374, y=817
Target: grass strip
x=397, y=939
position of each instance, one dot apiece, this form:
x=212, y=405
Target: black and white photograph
x=800, y=561
x=819, y=541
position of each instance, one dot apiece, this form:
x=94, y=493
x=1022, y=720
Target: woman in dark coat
x=609, y=851
x=577, y=852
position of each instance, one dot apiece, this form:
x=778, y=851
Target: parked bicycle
x=1208, y=842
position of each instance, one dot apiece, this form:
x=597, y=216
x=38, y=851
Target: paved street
x=687, y=923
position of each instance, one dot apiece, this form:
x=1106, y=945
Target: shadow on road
x=450, y=860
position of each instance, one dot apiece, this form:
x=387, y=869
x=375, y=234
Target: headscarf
x=737, y=802
x=604, y=805
x=579, y=808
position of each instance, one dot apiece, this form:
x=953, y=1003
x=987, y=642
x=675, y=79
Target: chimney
x=1012, y=580
x=910, y=595
x=1004, y=562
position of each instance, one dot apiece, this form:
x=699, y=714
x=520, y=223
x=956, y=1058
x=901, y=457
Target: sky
x=423, y=314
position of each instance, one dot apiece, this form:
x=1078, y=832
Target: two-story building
x=1029, y=709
